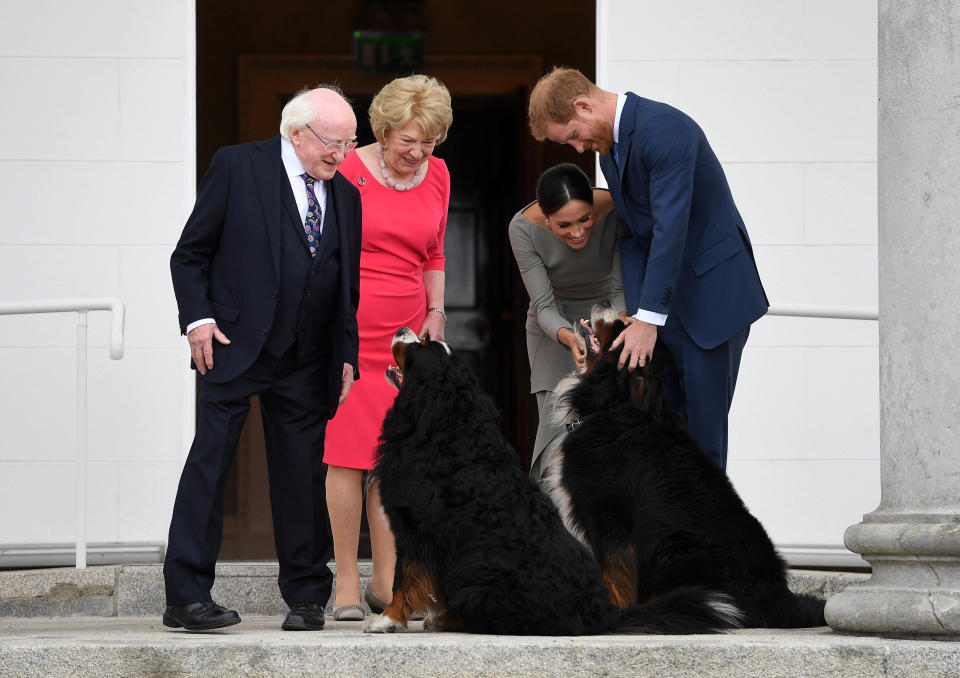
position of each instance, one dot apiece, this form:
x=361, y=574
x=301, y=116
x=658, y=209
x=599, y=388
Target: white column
x=912, y=539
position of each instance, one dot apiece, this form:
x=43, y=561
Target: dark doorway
x=493, y=165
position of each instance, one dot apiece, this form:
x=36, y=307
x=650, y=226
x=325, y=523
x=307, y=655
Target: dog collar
x=577, y=423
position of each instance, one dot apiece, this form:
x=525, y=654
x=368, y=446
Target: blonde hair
x=416, y=97
x=552, y=98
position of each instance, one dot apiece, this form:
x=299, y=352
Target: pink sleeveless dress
x=402, y=237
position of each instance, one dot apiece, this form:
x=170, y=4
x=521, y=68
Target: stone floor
x=105, y=622
x=104, y=647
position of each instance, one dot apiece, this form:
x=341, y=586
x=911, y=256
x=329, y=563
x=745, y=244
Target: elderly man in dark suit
x=690, y=279
x=266, y=276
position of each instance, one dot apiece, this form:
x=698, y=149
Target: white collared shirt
x=293, y=168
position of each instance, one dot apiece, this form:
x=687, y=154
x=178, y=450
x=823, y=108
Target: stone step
x=137, y=590
x=139, y=646
x=248, y=587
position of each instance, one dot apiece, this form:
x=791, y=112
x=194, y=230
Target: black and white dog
x=479, y=546
x=632, y=485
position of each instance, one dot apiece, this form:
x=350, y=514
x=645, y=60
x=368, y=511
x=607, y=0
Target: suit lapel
x=334, y=195
x=269, y=178
x=290, y=208
x=628, y=118
x=330, y=218
x=609, y=168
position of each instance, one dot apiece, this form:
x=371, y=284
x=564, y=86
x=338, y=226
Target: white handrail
x=80, y=306
x=841, y=312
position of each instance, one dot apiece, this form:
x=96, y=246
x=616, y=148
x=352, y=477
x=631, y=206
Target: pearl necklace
x=393, y=183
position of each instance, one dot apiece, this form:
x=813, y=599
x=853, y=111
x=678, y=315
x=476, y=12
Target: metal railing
x=841, y=312
x=81, y=307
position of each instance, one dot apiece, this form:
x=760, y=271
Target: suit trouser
x=700, y=384
x=293, y=404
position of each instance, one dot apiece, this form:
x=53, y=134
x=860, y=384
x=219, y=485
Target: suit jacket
x=687, y=253
x=227, y=263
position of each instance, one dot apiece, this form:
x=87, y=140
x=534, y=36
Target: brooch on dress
x=362, y=181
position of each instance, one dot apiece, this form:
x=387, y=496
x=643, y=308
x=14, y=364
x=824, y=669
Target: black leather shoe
x=199, y=616
x=304, y=616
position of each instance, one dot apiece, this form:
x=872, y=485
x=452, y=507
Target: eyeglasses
x=345, y=146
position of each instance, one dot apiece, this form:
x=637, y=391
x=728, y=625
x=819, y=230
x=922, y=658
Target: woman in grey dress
x=565, y=245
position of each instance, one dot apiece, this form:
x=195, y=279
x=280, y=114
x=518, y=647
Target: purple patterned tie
x=314, y=214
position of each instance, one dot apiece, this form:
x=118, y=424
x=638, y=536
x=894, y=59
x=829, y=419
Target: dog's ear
x=646, y=390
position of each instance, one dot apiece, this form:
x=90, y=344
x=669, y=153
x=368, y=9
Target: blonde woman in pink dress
x=405, y=193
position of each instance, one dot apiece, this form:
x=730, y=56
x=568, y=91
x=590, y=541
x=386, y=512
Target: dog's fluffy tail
x=687, y=609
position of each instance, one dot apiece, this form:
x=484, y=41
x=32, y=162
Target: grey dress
x=563, y=285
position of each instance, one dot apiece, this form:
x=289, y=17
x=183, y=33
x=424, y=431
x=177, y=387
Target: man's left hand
x=638, y=339
x=346, y=382
x=433, y=325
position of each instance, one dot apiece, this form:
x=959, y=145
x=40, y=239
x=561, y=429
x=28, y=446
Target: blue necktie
x=311, y=225
x=616, y=154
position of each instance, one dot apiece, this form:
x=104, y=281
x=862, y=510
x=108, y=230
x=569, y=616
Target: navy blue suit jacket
x=687, y=253
x=226, y=265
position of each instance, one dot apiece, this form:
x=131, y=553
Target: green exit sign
x=387, y=51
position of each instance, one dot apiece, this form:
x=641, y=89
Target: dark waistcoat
x=308, y=288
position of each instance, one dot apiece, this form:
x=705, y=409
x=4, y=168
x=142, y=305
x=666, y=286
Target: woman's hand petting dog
x=566, y=336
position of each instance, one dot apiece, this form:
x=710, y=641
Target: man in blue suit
x=266, y=276
x=690, y=279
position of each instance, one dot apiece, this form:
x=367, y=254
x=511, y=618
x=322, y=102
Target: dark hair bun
x=560, y=184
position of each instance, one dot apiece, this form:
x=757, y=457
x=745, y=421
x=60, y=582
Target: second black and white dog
x=479, y=546
x=632, y=485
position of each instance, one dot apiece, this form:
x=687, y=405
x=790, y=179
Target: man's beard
x=601, y=132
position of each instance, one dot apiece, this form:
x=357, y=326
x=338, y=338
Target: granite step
x=248, y=587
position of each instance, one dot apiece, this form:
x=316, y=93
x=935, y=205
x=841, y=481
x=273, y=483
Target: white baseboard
x=58, y=555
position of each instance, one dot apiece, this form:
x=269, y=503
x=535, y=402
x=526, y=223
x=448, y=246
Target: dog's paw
x=432, y=621
x=381, y=623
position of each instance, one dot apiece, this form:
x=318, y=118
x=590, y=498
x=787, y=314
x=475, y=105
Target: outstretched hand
x=638, y=340
x=201, y=345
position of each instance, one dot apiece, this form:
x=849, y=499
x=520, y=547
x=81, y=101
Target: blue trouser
x=700, y=384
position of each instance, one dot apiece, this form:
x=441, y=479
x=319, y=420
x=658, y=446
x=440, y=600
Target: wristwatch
x=440, y=311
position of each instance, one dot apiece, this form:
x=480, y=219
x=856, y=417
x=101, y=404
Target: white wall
x=97, y=148
x=787, y=94
x=97, y=176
